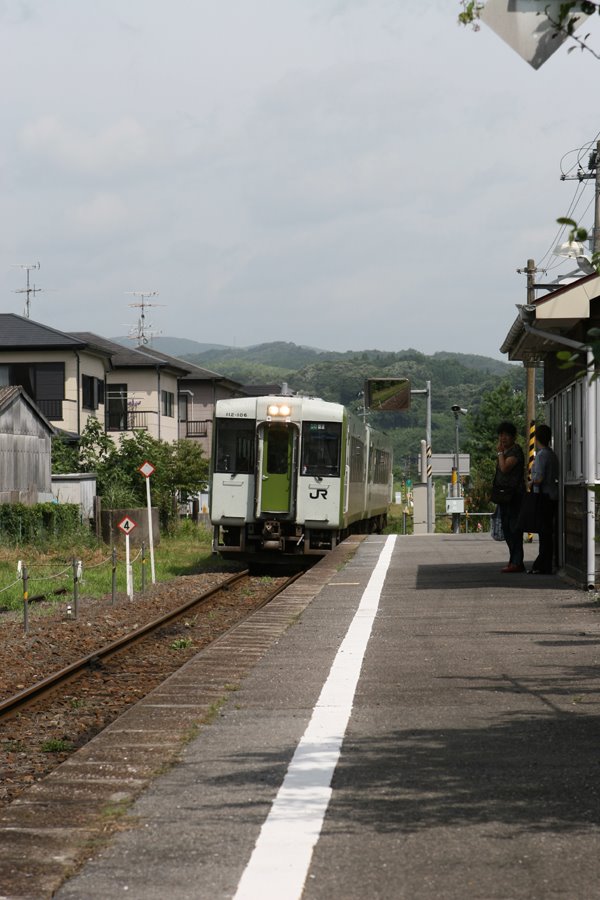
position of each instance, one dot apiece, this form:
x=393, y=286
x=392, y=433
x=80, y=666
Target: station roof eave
x=553, y=317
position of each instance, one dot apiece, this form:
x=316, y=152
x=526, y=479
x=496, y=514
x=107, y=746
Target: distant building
x=562, y=321
x=264, y=390
x=76, y=376
x=25, y=449
x=141, y=390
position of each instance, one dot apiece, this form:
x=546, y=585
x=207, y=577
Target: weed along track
x=64, y=681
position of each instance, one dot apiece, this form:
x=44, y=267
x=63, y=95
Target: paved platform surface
x=469, y=768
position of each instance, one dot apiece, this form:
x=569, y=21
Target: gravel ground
x=37, y=740
x=56, y=639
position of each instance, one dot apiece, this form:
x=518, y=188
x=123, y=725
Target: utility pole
x=593, y=172
x=596, y=162
x=530, y=369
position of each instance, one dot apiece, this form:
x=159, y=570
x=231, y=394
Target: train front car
x=292, y=476
x=277, y=486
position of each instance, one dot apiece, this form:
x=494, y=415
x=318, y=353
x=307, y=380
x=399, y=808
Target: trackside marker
x=279, y=863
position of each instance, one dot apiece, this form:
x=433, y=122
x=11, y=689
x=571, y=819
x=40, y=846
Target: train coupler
x=272, y=538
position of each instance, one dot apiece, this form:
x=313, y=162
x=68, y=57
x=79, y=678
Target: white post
x=590, y=471
x=150, y=534
x=128, y=569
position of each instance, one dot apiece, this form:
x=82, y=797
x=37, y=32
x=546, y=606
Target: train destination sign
x=387, y=394
x=443, y=463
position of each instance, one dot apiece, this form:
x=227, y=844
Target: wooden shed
x=25, y=449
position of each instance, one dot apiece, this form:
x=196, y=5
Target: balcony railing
x=197, y=427
x=120, y=420
x=52, y=409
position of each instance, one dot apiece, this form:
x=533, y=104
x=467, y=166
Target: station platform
x=425, y=727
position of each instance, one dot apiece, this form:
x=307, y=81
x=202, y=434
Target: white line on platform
x=279, y=863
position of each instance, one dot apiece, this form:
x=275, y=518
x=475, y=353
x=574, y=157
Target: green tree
x=503, y=403
x=180, y=468
x=65, y=456
x=95, y=446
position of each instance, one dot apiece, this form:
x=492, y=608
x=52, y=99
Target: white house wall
x=144, y=393
x=89, y=364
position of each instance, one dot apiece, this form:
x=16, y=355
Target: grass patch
x=76, y=703
x=50, y=572
x=56, y=745
x=181, y=644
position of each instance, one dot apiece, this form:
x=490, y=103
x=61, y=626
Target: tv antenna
x=139, y=332
x=29, y=267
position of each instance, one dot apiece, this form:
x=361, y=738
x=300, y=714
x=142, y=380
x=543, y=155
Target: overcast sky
x=345, y=174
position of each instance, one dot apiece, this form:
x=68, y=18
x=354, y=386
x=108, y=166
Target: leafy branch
x=565, y=22
x=578, y=234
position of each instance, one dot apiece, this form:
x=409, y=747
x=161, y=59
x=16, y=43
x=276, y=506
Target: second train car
x=292, y=476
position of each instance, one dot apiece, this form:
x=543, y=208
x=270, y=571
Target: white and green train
x=293, y=476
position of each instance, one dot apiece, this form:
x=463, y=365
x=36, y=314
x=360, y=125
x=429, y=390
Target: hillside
x=340, y=376
x=455, y=378
x=174, y=346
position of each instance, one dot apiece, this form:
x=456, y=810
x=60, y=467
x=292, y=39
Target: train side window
x=234, y=446
x=357, y=460
x=321, y=442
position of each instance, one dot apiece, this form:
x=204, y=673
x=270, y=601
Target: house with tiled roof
x=141, y=390
x=72, y=376
x=62, y=374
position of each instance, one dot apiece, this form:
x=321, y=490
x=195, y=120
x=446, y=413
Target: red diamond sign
x=127, y=525
x=147, y=469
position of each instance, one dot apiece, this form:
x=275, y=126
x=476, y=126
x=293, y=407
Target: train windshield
x=321, y=442
x=235, y=446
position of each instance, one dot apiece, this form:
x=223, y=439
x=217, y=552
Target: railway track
x=41, y=725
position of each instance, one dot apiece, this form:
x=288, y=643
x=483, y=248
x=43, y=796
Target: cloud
x=15, y=12
x=108, y=151
x=104, y=212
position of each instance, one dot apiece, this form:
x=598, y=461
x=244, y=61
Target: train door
x=277, y=466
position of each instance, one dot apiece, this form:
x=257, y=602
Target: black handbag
x=502, y=494
x=531, y=514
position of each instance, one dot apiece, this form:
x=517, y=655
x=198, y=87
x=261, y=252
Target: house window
x=168, y=403
x=183, y=407
x=116, y=408
x=45, y=384
x=92, y=392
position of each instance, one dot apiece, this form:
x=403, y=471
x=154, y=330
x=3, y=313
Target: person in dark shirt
x=510, y=467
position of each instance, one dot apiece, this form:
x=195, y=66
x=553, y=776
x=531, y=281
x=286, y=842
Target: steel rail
x=23, y=698
x=47, y=685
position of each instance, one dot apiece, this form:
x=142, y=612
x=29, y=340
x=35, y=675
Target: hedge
x=42, y=521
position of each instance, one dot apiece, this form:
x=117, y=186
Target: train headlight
x=274, y=410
